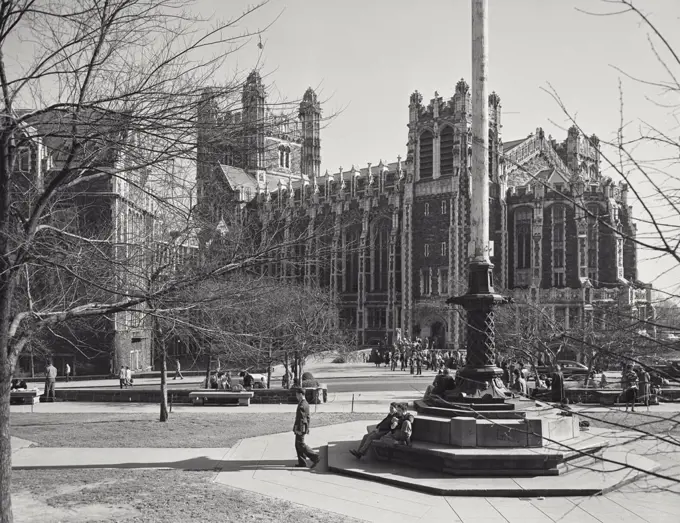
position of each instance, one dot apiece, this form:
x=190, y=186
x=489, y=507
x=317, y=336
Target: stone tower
x=253, y=101
x=310, y=119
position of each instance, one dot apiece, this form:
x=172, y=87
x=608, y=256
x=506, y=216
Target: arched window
x=593, y=239
x=426, y=158
x=380, y=252
x=558, y=245
x=523, y=218
x=492, y=150
x=351, y=256
x=445, y=151
x=282, y=157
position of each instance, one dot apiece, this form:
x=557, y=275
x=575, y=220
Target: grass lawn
x=183, y=430
x=149, y=496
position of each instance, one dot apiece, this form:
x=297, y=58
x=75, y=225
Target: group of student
x=396, y=428
x=125, y=376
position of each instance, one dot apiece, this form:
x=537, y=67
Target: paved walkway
x=264, y=465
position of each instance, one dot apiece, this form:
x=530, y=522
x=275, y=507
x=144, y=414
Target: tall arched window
x=558, y=245
x=523, y=217
x=446, y=151
x=282, y=156
x=426, y=158
x=593, y=239
x=380, y=252
x=351, y=248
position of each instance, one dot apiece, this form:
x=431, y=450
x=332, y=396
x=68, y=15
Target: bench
x=202, y=397
x=24, y=396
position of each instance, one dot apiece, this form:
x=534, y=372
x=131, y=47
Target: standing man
x=128, y=376
x=122, y=376
x=50, y=380
x=301, y=429
x=178, y=370
x=67, y=371
x=557, y=385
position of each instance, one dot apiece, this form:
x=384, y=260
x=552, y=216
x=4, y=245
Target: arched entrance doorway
x=438, y=335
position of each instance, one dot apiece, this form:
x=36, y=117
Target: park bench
x=221, y=397
x=24, y=396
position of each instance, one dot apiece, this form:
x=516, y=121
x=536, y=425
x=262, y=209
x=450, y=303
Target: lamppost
x=480, y=376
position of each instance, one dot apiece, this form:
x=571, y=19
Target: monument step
x=505, y=413
x=470, y=462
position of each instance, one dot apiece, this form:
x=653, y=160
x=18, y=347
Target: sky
x=365, y=58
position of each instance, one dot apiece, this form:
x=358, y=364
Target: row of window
x=376, y=317
x=524, y=250
x=444, y=207
x=446, y=156
x=426, y=286
x=442, y=249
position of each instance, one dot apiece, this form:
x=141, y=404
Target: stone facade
x=399, y=247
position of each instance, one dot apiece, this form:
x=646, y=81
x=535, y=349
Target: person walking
x=67, y=372
x=644, y=386
x=557, y=385
x=629, y=384
x=50, y=380
x=128, y=376
x=301, y=429
x=178, y=370
x=122, y=376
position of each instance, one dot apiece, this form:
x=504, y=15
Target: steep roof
x=507, y=146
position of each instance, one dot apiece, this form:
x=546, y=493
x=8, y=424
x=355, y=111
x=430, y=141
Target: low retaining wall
x=180, y=396
x=600, y=396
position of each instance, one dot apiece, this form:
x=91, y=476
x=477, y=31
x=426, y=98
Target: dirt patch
x=147, y=496
x=183, y=430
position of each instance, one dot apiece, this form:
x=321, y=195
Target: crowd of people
x=415, y=356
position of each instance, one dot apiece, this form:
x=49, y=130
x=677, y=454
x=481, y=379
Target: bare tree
x=99, y=107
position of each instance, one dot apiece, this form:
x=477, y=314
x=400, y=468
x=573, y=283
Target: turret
x=462, y=100
x=415, y=106
x=310, y=118
x=253, y=101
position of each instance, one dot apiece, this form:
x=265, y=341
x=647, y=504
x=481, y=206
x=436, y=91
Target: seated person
x=402, y=428
x=603, y=381
x=540, y=382
x=15, y=385
x=442, y=383
x=378, y=432
x=222, y=382
x=520, y=384
x=213, y=380
x=247, y=380
x=263, y=383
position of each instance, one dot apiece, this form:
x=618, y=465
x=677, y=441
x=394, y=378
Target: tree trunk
x=164, y=384
x=269, y=368
x=207, y=371
x=5, y=444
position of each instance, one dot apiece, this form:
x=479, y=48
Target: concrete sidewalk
x=264, y=465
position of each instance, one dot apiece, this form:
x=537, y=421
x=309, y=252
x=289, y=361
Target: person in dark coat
x=380, y=430
x=301, y=429
x=557, y=385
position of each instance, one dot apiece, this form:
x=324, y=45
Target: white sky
x=366, y=57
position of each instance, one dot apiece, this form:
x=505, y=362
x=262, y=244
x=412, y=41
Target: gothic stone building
x=399, y=245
